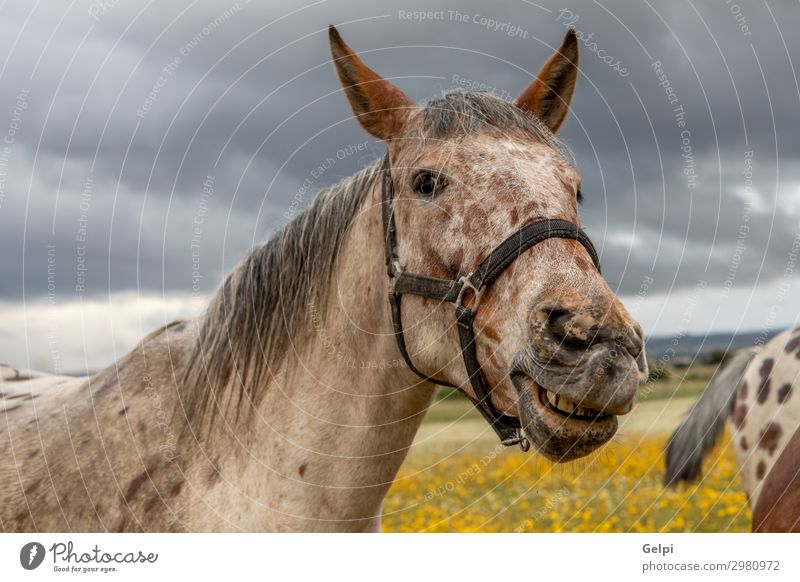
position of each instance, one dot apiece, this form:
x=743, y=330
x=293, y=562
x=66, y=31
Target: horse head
x=558, y=350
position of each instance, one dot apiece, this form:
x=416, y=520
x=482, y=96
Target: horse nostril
x=562, y=326
x=579, y=331
x=558, y=318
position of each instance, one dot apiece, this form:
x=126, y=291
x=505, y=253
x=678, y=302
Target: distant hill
x=685, y=349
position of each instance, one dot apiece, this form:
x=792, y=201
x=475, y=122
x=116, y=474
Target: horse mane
x=457, y=113
x=261, y=309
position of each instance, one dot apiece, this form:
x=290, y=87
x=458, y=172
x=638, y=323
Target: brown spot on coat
x=490, y=332
x=301, y=470
x=743, y=390
x=784, y=392
x=769, y=437
x=176, y=488
x=123, y=411
x=743, y=443
x=763, y=388
x=778, y=505
x=793, y=345
x=32, y=487
x=137, y=482
x=581, y=257
x=761, y=468
x=739, y=415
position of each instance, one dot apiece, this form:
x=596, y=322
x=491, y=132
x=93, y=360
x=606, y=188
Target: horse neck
x=344, y=408
x=351, y=337
x=354, y=342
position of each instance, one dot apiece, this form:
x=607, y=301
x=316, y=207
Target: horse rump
x=703, y=425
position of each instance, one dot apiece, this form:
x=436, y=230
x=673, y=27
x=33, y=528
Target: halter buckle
x=518, y=439
x=467, y=285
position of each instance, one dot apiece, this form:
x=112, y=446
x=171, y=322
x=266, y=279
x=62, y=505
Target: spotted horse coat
x=91, y=453
x=759, y=390
x=766, y=433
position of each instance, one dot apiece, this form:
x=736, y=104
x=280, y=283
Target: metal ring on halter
x=467, y=285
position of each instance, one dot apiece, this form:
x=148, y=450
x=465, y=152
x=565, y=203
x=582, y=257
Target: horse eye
x=429, y=184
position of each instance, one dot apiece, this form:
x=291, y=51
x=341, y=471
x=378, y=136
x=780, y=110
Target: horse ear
x=550, y=94
x=379, y=106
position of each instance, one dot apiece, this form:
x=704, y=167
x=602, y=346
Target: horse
x=290, y=403
x=757, y=390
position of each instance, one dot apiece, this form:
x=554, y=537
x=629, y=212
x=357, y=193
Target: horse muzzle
x=568, y=411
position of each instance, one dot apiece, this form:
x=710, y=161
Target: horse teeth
x=564, y=405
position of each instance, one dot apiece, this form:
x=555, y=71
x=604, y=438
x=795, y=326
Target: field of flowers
x=486, y=488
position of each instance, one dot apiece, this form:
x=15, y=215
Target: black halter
x=465, y=294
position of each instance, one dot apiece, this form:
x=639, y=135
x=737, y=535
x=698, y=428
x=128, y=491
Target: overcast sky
x=123, y=124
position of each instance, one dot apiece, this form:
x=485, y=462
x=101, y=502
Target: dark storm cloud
x=131, y=108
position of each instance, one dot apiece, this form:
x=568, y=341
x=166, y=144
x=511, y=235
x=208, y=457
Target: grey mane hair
x=457, y=113
x=261, y=310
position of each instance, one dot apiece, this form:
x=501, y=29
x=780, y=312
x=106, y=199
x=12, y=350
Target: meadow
x=457, y=478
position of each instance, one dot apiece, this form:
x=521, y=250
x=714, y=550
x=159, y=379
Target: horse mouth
x=559, y=428
x=567, y=408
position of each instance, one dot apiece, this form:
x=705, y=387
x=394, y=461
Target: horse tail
x=703, y=425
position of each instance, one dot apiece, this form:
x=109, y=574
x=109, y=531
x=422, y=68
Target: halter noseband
x=465, y=294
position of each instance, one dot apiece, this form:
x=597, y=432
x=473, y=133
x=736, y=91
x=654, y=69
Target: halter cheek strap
x=465, y=294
